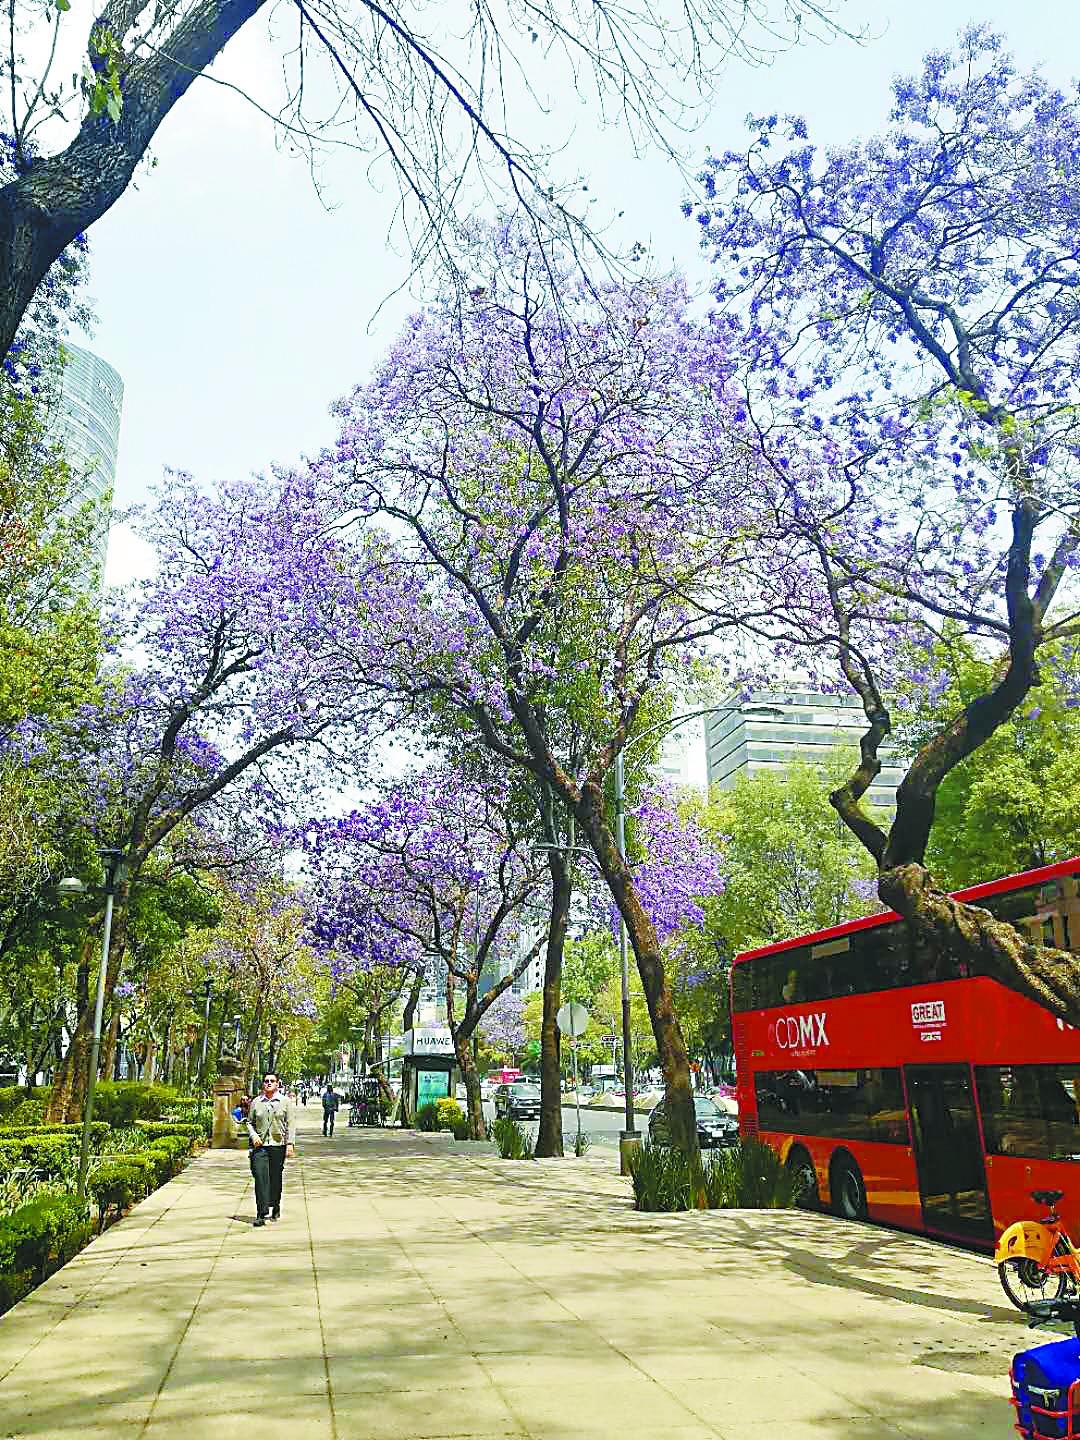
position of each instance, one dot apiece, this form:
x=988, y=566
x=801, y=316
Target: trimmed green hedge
x=155, y=1129
x=98, y=1130
x=46, y=1154
x=36, y=1238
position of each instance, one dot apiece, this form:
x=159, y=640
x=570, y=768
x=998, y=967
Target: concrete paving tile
x=266, y=1419
x=600, y=1410
x=245, y=1374
x=423, y=1415
x=37, y=1417
x=434, y=1370
x=593, y=1364
x=781, y=1397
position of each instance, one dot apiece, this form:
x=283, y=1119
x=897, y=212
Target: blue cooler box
x=1046, y=1390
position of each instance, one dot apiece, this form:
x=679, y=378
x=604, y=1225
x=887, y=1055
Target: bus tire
x=848, y=1189
x=800, y=1168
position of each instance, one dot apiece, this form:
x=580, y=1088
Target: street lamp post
x=114, y=861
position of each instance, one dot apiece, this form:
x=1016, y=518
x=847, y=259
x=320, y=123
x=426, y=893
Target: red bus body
x=955, y=1097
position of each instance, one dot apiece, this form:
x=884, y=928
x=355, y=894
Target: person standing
x=272, y=1133
x=329, y=1109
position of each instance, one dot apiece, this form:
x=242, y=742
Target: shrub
x=156, y=1129
x=449, y=1115
x=427, y=1117
x=174, y=1150
x=582, y=1141
x=30, y=1111
x=121, y=1102
x=11, y=1096
x=191, y=1112
x=461, y=1130
x=116, y=1185
x=48, y=1229
x=749, y=1176
x=512, y=1140
x=46, y=1155
x=660, y=1178
x=98, y=1132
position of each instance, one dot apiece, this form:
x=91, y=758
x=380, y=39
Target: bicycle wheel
x=1026, y=1280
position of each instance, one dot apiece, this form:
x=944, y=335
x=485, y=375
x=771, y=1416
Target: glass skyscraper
x=87, y=424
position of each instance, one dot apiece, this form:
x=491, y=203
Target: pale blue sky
x=237, y=309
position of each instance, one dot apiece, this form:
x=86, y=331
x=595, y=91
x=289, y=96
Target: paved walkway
x=415, y=1289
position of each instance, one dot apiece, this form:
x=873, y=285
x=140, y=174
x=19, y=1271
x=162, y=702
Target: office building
x=768, y=729
x=87, y=424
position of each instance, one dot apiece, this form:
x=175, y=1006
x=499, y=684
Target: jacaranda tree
x=909, y=308
x=235, y=681
x=570, y=507
x=437, y=874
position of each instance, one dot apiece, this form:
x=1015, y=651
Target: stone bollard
x=228, y=1092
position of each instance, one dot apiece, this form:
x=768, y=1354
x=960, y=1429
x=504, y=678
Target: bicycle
x=1037, y=1260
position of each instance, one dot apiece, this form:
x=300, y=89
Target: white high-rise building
x=87, y=424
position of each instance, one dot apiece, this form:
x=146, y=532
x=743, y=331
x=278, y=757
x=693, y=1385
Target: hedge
x=122, y=1102
x=46, y=1154
x=156, y=1129
x=36, y=1237
x=98, y=1130
x=12, y=1096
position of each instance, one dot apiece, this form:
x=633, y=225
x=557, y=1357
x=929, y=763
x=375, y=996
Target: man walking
x=272, y=1132
x=329, y=1109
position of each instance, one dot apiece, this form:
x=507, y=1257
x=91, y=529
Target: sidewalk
x=411, y=1290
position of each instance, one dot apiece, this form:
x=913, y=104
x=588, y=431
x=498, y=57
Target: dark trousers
x=328, y=1121
x=267, y=1163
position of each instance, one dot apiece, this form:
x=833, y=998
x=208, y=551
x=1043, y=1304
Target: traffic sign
x=572, y=1019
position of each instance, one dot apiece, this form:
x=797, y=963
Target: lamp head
x=71, y=885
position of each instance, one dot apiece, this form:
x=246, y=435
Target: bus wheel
x=803, y=1179
x=848, y=1189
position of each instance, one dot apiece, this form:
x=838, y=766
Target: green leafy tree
x=791, y=866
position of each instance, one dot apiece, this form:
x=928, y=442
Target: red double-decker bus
x=898, y=1087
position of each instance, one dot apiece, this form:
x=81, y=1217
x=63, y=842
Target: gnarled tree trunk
x=670, y=1045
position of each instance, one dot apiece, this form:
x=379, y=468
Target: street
x=601, y=1126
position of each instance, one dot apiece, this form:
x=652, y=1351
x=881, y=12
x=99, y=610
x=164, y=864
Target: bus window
x=1031, y=1110
x=833, y=1104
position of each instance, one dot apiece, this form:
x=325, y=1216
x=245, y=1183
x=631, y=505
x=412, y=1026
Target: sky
x=236, y=307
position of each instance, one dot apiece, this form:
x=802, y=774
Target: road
x=601, y=1126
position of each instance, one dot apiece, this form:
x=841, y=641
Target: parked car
x=488, y=1088
x=714, y=1128
x=519, y=1101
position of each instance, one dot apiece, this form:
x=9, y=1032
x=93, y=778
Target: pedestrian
x=272, y=1133
x=329, y=1109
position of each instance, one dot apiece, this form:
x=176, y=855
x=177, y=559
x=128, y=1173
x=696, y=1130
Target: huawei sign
x=799, y=1032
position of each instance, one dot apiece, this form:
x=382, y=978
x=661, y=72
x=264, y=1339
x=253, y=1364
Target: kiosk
x=429, y=1069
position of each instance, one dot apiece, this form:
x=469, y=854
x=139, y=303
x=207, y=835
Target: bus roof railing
x=887, y=917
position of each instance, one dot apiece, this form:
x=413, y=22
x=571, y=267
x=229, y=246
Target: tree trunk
x=549, y=1138
x=69, y=1085
x=991, y=947
x=149, y=1069
x=166, y=1052
x=473, y=1103
x=250, y=1043
x=670, y=1045
x=108, y=1050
